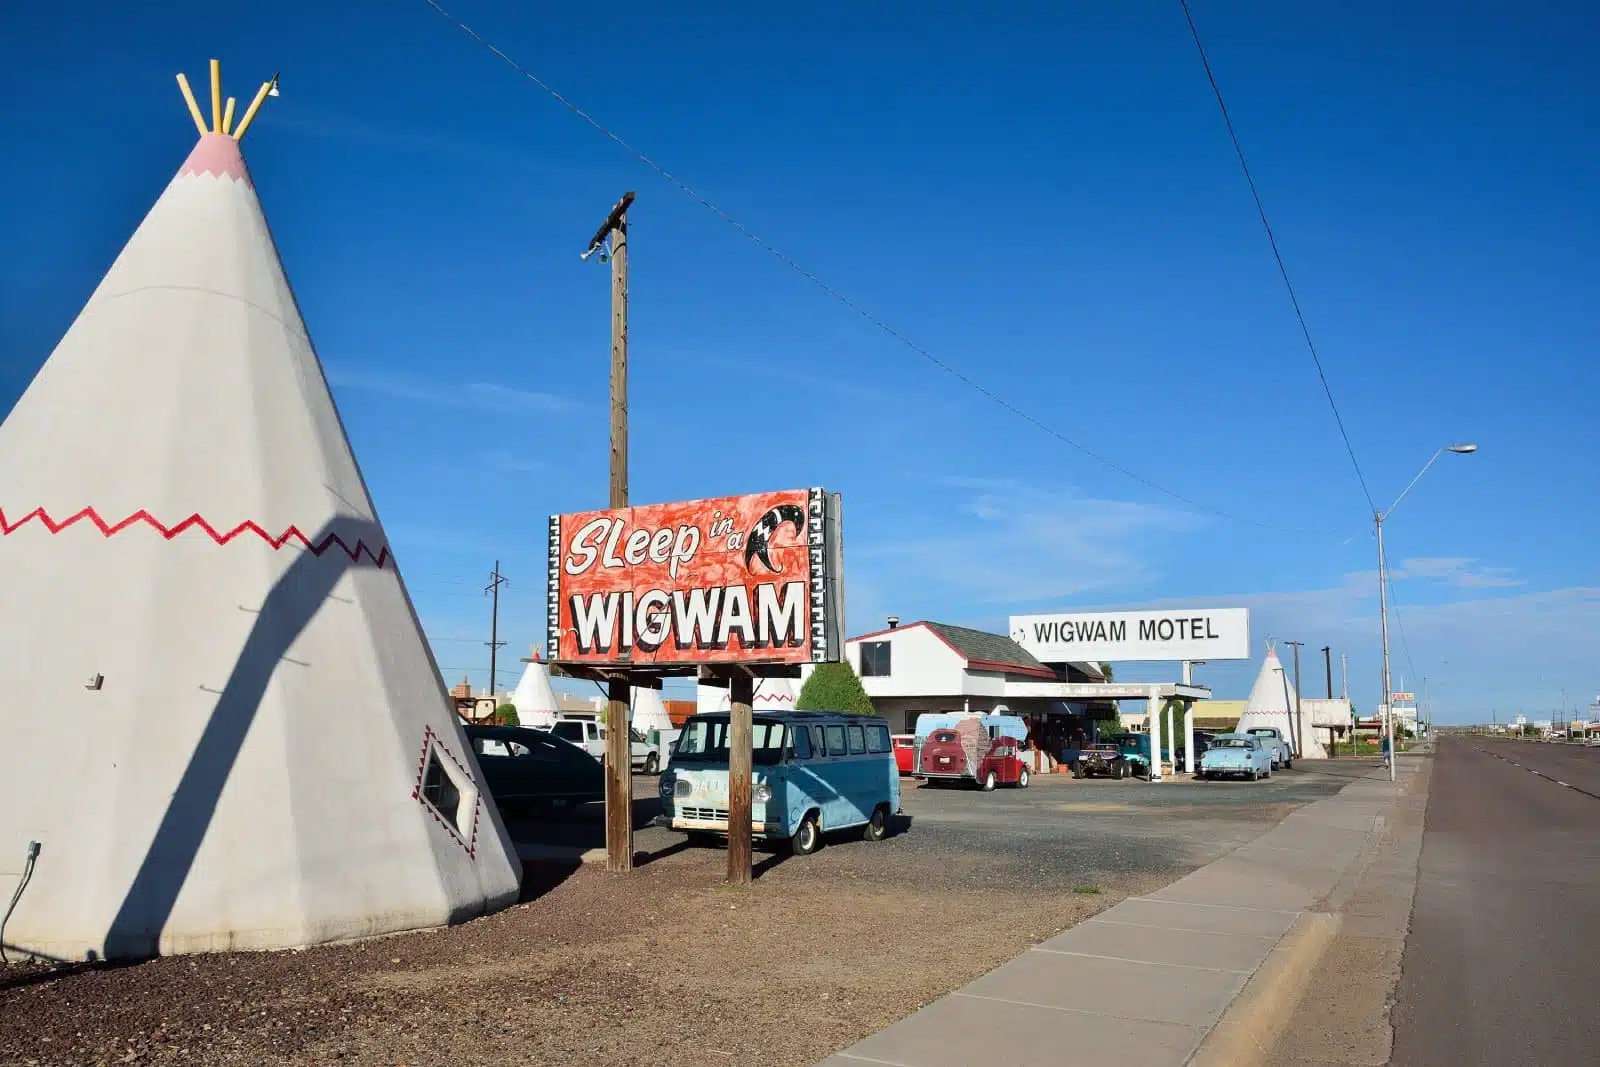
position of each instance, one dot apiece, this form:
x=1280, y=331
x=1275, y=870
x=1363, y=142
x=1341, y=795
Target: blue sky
x=1041, y=195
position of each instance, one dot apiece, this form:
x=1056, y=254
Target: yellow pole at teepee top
x=216, y=96
x=194, y=108
x=227, y=115
x=250, y=112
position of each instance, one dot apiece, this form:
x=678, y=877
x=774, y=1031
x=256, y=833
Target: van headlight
x=762, y=793
x=667, y=782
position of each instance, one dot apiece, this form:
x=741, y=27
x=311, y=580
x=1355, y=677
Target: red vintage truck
x=976, y=750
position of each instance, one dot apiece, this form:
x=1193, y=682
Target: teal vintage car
x=1236, y=756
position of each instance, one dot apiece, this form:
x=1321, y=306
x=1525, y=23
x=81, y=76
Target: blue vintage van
x=811, y=772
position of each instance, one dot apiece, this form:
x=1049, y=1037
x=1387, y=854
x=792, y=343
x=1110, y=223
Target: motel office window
x=875, y=659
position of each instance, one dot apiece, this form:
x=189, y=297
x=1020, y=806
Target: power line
x=1277, y=255
x=842, y=298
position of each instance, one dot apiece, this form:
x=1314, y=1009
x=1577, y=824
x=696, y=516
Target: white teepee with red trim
x=1271, y=704
x=534, y=699
x=223, y=726
x=771, y=694
x=648, y=711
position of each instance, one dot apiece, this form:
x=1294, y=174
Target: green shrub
x=834, y=687
x=506, y=715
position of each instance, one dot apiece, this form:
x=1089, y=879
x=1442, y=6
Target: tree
x=834, y=687
x=1106, y=669
x=506, y=715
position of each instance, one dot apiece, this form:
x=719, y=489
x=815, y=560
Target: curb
x=1251, y=1026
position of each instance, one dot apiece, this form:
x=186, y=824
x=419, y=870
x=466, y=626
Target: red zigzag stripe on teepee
x=169, y=532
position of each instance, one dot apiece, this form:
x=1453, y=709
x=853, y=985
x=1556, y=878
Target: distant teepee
x=772, y=694
x=648, y=712
x=1271, y=704
x=222, y=724
x=533, y=697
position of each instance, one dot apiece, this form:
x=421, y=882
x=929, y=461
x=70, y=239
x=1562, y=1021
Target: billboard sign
x=741, y=579
x=1402, y=698
x=1113, y=636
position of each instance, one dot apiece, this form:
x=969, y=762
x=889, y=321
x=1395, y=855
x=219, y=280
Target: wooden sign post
x=741, y=693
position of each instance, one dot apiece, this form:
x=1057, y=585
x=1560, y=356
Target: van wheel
x=807, y=838
x=652, y=763
x=1288, y=764
x=1022, y=779
x=877, y=827
x=988, y=782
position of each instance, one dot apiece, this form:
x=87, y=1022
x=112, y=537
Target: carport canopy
x=1154, y=694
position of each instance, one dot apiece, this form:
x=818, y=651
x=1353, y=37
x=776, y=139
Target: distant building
x=925, y=666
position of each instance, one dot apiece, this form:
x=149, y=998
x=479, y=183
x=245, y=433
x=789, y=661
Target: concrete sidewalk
x=1142, y=983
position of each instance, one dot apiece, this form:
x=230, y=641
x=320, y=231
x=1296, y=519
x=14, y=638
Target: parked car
x=1136, y=751
x=1101, y=760
x=1272, y=739
x=590, y=736
x=812, y=771
x=1236, y=756
x=1202, y=741
x=973, y=751
x=905, y=752
x=526, y=768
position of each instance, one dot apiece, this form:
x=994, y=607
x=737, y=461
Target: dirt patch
x=665, y=966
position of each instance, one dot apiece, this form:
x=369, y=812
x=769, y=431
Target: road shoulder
x=1148, y=980
x=1342, y=1015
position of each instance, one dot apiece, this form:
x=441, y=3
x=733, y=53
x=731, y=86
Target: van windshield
x=706, y=741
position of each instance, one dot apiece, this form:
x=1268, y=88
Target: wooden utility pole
x=1299, y=725
x=611, y=241
x=741, y=693
x=496, y=580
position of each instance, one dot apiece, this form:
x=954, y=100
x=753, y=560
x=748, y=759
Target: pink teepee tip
x=217, y=154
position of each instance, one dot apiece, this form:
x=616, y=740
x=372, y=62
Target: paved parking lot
x=667, y=965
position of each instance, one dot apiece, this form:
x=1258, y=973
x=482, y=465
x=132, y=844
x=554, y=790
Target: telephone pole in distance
x=496, y=580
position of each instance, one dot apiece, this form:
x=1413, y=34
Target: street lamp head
x=1461, y=450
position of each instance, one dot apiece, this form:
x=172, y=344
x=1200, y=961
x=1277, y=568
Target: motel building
x=926, y=666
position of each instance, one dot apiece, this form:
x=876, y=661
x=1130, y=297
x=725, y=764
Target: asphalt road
x=1503, y=958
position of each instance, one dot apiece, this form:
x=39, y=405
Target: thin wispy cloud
x=1008, y=542
x=1459, y=571
x=487, y=397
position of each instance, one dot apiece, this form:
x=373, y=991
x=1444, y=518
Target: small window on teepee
x=446, y=789
x=440, y=790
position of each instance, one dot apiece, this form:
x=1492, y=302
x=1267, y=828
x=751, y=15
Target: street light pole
x=1383, y=616
x=1383, y=593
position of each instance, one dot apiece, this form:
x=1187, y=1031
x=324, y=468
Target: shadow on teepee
x=288, y=609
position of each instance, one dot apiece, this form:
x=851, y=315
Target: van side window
x=801, y=743
x=836, y=746
x=858, y=740
x=819, y=747
x=877, y=739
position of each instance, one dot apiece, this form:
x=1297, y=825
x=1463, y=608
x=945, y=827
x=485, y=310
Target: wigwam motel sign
x=1113, y=636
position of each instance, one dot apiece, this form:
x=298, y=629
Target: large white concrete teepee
x=1271, y=704
x=648, y=712
x=222, y=724
x=533, y=697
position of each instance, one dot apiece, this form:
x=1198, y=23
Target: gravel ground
x=668, y=966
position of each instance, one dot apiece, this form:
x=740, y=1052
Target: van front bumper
x=714, y=825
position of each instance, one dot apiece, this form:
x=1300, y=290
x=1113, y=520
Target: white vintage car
x=1236, y=756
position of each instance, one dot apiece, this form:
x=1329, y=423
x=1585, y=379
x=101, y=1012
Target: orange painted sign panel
x=738, y=579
